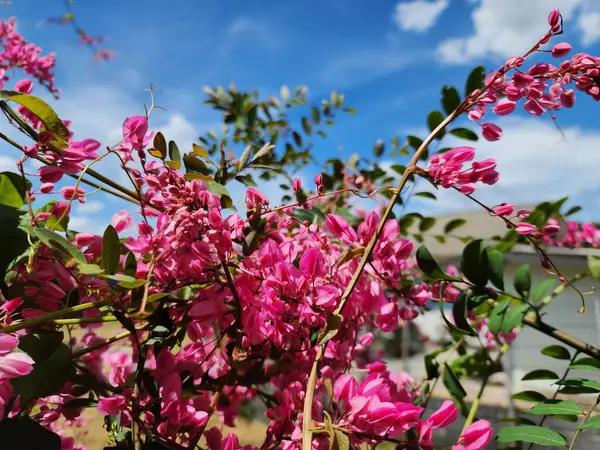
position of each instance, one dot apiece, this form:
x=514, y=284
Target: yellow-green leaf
x=43, y=111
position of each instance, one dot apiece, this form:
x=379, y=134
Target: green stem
x=549, y=330
x=96, y=346
x=484, y=382
x=50, y=317
x=308, y=400
x=587, y=416
x=83, y=320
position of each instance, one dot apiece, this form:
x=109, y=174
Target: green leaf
x=474, y=263
x=306, y=126
x=174, y=154
x=132, y=284
x=430, y=267
x=60, y=245
x=581, y=383
x=453, y=225
x=496, y=268
x=111, y=250
x=264, y=150
x=532, y=434
x=542, y=289
x=450, y=99
x=12, y=189
x=243, y=162
x=573, y=210
x=52, y=222
x=414, y=141
x=529, y=396
x=426, y=194
x=316, y=115
x=540, y=374
x=553, y=407
x=13, y=240
x=522, y=281
x=297, y=138
x=378, y=149
x=90, y=269
x=459, y=312
x=497, y=316
x=513, y=318
x=43, y=111
x=40, y=345
x=47, y=378
x=586, y=363
x=452, y=383
x=594, y=265
x=217, y=188
x=340, y=441
x=24, y=433
x=593, y=423
x=434, y=119
x=193, y=164
x=426, y=223
x=475, y=80
x=557, y=352
x=311, y=216
x=160, y=146
x=464, y=133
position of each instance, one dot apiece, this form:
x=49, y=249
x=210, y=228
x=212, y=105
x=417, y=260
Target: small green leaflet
x=532, y=434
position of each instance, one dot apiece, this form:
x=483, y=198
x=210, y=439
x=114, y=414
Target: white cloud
x=535, y=164
x=90, y=207
x=589, y=25
x=244, y=28
x=504, y=28
x=419, y=15
x=180, y=130
x=87, y=225
x=7, y=164
x=364, y=65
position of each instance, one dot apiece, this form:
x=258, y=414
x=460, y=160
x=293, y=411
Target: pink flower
x=6, y=392
x=504, y=107
x=534, y=107
x=560, y=49
x=444, y=416
x=255, y=199
x=15, y=365
x=338, y=226
x=122, y=221
x=312, y=263
x=46, y=188
x=491, y=132
x=475, y=437
x=8, y=343
x=24, y=86
x=345, y=388
x=553, y=17
x=319, y=183
x=551, y=229
x=134, y=132
x=111, y=406
x=567, y=98
x=525, y=229
x=504, y=209
x=297, y=185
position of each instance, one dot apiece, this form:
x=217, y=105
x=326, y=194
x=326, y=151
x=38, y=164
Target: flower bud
x=567, y=99
x=554, y=17
x=560, y=49
x=491, y=132
x=297, y=185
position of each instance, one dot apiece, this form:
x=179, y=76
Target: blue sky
x=389, y=59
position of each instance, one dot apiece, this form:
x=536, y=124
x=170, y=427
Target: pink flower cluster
x=17, y=53
x=446, y=169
